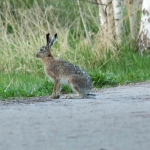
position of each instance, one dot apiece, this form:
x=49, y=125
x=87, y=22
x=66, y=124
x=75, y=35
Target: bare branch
x=84, y=24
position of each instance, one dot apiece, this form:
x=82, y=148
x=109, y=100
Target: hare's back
x=69, y=69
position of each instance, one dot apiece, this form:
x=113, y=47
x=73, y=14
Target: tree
x=110, y=13
x=131, y=7
x=111, y=22
x=144, y=33
x=117, y=7
x=106, y=22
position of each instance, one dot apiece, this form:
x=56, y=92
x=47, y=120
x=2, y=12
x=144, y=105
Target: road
x=118, y=119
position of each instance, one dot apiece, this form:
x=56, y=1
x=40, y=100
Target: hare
x=63, y=72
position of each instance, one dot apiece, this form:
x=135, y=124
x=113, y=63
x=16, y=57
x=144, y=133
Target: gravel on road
x=118, y=119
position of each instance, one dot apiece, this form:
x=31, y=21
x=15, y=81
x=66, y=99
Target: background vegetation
x=23, y=25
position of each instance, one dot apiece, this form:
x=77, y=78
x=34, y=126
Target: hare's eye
x=41, y=49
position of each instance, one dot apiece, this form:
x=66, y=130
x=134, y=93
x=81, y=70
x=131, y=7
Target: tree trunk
x=117, y=7
x=106, y=22
x=110, y=18
x=102, y=13
x=144, y=33
x=133, y=6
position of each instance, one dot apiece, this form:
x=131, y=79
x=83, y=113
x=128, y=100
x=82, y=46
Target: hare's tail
x=91, y=96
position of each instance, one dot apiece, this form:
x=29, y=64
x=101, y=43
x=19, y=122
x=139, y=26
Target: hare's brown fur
x=63, y=72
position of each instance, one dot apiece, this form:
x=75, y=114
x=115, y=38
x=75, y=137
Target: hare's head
x=45, y=51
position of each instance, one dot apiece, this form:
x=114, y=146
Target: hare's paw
x=68, y=97
x=54, y=96
x=72, y=96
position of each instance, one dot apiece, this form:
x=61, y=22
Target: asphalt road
x=118, y=119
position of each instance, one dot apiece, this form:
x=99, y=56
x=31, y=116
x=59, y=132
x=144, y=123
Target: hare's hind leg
x=77, y=95
x=79, y=90
x=79, y=86
x=56, y=89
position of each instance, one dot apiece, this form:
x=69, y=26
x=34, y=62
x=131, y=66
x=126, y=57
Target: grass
x=18, y=85
x=23, y=30
x=129, y=68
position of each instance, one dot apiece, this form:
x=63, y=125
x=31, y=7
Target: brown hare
x=63, y=72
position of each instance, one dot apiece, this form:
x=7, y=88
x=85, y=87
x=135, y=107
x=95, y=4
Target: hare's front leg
x=56, y=89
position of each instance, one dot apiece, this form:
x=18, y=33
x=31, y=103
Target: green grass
x=24, y=25
x=128, y=67
x=17, y=85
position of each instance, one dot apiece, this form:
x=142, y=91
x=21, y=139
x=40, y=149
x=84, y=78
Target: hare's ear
x=53, y=39
x=47, y=39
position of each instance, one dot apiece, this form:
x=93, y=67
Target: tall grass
x=22, y=31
